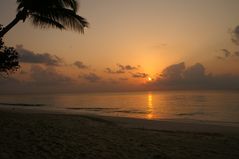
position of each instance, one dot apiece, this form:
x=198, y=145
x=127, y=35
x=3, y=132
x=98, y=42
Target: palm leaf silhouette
x=60, y=14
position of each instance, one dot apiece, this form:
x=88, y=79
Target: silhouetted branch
x=8, y=59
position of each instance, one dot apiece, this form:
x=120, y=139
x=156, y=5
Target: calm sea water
x=198, y=105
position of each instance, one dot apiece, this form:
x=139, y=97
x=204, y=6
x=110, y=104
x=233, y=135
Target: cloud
x=235, y=35
x=48, y=76
x=40, y=80
x=235, y=39
x=220, y=58
x=80, y=65
x=226, y=53
x=10, y=85
x=139, y=75
x=109, y=70
x=127, y=67
x=173, y=72
x=121, y=69
x=174, y=77
x=28, y=56
x=91, y=77
x=196, y=72
x=178, y=76
x=236, y=53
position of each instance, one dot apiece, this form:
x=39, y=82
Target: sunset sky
x=130, y=45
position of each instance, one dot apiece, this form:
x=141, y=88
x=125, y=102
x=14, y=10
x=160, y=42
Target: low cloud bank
x=178, y=76
x=27, y=56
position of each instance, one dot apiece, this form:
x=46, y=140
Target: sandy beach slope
x=26, y=134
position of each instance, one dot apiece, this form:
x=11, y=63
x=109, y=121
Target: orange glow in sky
x=129, y=39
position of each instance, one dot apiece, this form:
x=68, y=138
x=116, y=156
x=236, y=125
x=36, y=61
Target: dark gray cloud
x=227, y=54
x=109, y=70
x=10, y=85
x=139, y=75
x=220, y=58
x=236, y=53
x=235, y=35
x=174, y=77
x=91, y=77
x=173, y=72
x=42, y=79
x=80, y=65
x=178, y=76
x=121, y=69
x=235, y=39
x=127, y=67
x=28, y=56
x=48, y=76
x=196, y=72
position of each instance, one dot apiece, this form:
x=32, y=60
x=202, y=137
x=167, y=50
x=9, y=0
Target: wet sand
x=42, y=134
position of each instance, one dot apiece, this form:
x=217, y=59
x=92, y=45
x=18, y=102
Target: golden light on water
x=150, y=106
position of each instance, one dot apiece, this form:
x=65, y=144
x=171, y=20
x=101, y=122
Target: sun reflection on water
x=150, y=106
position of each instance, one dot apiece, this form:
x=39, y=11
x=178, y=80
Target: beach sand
x=26, y=134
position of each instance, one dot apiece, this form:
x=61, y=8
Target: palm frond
x=72, y=4
x=66, y=17
x=58, y=13
x=34, y=4
x=45, y=22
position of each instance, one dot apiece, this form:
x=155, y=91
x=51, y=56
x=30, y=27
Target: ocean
x=220, y=106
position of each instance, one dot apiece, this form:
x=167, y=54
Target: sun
x=149, y=79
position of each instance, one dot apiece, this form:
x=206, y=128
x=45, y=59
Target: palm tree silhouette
x=59, y=14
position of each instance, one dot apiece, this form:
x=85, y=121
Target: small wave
x=110, y=110
x=22, y=104
x=190, y=114
x=131, y=112
x=94, y=109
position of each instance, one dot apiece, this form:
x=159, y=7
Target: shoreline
x=27, y=133
x=184, y=125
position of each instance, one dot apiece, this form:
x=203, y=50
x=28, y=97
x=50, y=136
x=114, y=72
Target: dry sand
x=39, y=134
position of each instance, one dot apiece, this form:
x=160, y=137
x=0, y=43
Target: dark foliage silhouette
x=8, y=59
x=59, y=14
